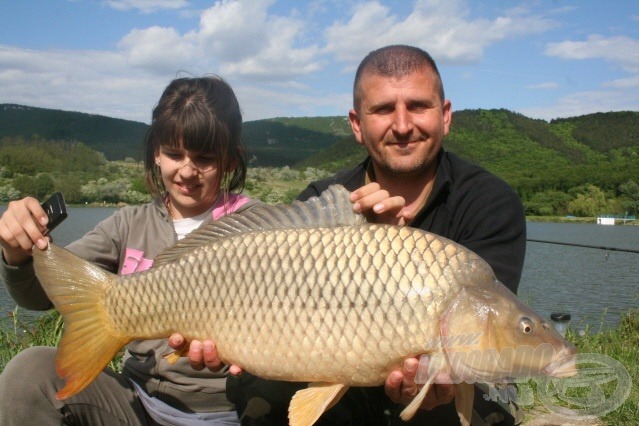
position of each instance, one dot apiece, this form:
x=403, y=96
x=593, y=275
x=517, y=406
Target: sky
x=544, y=59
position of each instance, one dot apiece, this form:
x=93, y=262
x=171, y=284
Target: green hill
x=578, y=165
x=115, y=138
x=287, y=141
x=272, y=142
x=532, y=155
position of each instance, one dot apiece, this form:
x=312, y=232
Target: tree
x=548, y=203
x=43, y=185
x=589, y=202
x=630, y=197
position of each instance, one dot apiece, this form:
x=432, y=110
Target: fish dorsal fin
x=309, y=404
x=330, y=209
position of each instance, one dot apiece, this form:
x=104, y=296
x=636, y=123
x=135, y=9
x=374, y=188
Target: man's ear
x=353, y=118
x=447, y=110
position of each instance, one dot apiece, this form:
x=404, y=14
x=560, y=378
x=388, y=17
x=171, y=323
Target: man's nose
x=402, y=121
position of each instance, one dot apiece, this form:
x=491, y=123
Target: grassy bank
x=17, y=335
x=621, y=344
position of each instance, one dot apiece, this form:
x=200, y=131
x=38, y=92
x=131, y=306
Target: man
x=401, y=116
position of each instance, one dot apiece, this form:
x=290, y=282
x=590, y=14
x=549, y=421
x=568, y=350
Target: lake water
x=595, y=286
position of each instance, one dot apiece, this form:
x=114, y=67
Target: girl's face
x=191, y=180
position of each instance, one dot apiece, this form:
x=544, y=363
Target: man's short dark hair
x=394, y=61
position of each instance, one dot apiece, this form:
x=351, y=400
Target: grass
x=620, y=344
x=18, y=334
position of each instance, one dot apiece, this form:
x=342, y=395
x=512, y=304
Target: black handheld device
x=56, y=210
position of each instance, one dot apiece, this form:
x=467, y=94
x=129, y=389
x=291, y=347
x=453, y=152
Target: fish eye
x=526, y=325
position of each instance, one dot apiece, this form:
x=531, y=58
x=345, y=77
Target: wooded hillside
x=591, y=160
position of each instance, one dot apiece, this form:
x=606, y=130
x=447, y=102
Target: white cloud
x=146, y=6
x=615, y=95
x=620, y=50
x=234, y=38
x=88, y=81
x=156, y=49
x=249, y=42
x=281, y=57
x=586, y=103
x=444, y=29
x=624, y=83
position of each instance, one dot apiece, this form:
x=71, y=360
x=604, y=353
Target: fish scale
x=308, y=292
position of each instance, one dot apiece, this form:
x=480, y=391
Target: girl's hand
x=201, y=354
x=22, y=226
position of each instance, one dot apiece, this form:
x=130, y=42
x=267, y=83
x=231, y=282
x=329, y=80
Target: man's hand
x=401, y=388
x=201, y=354
x=379, y=207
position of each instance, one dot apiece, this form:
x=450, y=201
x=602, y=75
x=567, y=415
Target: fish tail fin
x=89, y=340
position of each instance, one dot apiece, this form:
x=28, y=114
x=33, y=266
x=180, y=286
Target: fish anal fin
x=410, y=410
x=309, y=404
x=464, y=402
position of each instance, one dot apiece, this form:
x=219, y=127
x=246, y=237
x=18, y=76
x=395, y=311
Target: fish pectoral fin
x=410, y=410
x=464, y=402
x=309, y=404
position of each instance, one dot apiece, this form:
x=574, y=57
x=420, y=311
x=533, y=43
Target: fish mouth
x=564, y=366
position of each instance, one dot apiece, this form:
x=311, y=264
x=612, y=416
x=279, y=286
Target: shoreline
x=546, y=219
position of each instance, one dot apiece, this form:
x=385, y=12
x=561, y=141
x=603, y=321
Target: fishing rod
x=583, y=245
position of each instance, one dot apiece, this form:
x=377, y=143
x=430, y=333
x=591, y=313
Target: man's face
x=401, y=122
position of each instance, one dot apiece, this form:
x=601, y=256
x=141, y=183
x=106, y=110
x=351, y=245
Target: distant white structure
x=604, y=220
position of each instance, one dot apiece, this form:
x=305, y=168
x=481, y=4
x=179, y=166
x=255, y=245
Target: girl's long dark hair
x=200, y=115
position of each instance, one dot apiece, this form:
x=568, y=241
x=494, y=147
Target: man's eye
x=384, y=110
x=419, y=107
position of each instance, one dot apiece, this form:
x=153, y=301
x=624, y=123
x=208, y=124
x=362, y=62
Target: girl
x=193, y=164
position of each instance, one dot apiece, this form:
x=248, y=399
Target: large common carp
x=308, y=292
